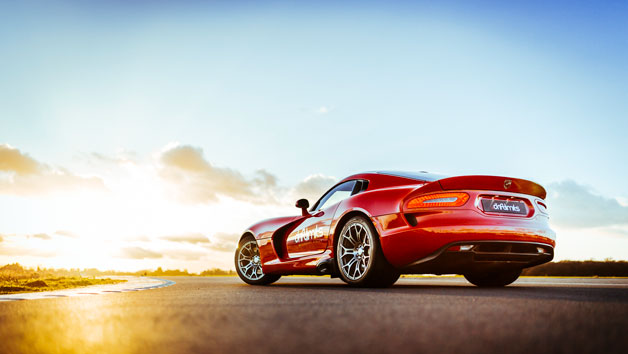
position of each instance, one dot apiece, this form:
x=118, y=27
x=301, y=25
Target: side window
x=340, y=192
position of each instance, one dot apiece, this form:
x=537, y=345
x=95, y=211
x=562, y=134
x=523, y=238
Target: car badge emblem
x=507, y=184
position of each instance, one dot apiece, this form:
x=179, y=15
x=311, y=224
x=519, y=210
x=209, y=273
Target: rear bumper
x=482, y=256
x=406, y=245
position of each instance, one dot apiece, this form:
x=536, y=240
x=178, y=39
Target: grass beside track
x=13, y=286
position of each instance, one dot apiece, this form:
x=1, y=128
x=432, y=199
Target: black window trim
x=363, y=186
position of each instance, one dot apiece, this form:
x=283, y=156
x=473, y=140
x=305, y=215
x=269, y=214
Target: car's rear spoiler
x=489, y=183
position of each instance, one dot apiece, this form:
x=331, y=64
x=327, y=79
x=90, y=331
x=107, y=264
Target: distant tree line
x=217, y=271
x=17, y=271
x=607, y=268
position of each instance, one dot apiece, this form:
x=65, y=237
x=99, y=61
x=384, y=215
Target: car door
x=312, y=235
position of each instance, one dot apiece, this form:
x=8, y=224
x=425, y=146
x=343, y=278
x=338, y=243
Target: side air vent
x=360, y=186
x=411, y=219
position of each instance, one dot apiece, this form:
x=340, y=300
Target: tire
x=493, y=278
x=248, y=264
x=359, y=257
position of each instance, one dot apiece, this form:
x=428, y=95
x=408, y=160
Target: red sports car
x=371, y=227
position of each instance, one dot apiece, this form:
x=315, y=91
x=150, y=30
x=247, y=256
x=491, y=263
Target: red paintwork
x=384, y=203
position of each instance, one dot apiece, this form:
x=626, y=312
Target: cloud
x=18, y=251
x=193, y=179
x=186, y=255
x=324, y=109
x=42, y=236
x=66, y=234
x=121, y=157
x=198, y=181
x=138, y=253
x=616, y=231
x=193, y=238
x=224, y=242
x=189, y=158
x=141, y=238
x=265, y=180
x=20, y=174
x=313, y=187
x=12, y=160
x=573, y=205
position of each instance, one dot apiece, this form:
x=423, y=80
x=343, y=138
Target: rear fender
x=377, y=202
x=369, y=204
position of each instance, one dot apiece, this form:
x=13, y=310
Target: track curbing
x=132, y=284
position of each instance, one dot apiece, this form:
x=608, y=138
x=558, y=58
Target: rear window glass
x=421, y=175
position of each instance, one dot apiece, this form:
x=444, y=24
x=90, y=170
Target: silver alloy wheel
x=355, y=251
x=249, y=261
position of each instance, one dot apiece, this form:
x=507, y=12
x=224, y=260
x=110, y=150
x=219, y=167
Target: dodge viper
x=372, y=227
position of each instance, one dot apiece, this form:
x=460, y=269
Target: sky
x=152, y=133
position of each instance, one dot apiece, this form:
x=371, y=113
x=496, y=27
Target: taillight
x=453, y=199
x=542, y=207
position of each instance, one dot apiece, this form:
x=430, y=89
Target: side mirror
x=303, y=204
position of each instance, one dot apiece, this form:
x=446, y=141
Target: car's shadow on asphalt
x=571, y=293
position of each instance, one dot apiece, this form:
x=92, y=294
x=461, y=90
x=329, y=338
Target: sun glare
x=134, y=222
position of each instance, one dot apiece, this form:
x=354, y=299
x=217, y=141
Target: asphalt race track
x=318, y=315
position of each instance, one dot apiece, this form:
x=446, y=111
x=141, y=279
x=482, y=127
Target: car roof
x=382, y=179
